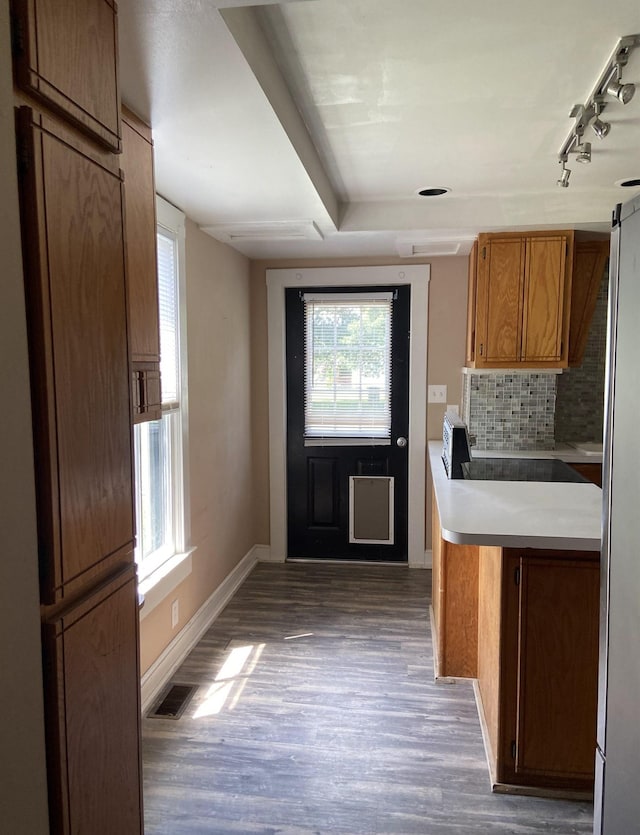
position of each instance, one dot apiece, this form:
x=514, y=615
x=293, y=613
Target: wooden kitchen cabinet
x=56, y=45
x=73, y=243
x=519, y=314
x=538, y=665
x=470, y=356
x=91, y=675
x=590, y=262
x=72, y=214
x=142, y=276
x=592, y=471
x=455, y=604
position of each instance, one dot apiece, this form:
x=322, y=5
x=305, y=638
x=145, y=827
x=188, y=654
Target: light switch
x=437, y=394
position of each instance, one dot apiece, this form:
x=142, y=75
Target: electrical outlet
x=437, y=394
x=175, y=614
x=452, y=407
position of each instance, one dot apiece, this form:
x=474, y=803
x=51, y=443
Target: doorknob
x=401, y=442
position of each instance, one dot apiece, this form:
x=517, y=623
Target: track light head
x=623, y=92
x=583, y=152
x=600, y=128
x=563, y=180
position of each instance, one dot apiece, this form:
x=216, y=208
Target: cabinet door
x=92, y=693
x=543, y=314
x=66, y=54
x=589, y=266
x=472, y=292
x=499, y=300
x=73, y=250
x=553, y=717
x=140, y=216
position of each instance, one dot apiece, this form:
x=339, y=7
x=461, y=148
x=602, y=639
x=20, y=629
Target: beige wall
x=446, y=347
x=23, y=788
x=220, y=453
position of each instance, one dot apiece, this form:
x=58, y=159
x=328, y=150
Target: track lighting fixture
x=620, y=91
x=600, y=128
x=583, y=152
x=609, y=84
x=563, y=180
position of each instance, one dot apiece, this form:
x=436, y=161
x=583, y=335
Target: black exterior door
x=347, y=497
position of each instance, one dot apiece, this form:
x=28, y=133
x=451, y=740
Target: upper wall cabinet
x=55, y=44
x=590, y=263
x=142, y=278
x=519, y=298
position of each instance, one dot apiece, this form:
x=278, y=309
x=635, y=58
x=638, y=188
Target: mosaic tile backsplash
x=580, y=398
x=510, y=411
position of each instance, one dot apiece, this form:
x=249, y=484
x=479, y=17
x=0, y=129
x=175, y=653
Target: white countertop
x=582, y=454
x=516, y=514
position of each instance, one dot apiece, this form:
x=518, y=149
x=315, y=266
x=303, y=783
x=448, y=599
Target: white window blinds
x=347, y=380
x=168, y=310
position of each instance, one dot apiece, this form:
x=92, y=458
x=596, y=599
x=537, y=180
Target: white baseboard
x=425, y=562
x=168, y=662
x=264, y=554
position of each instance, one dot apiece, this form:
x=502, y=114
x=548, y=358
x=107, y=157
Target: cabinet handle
x=481, y=349
x=142, y=392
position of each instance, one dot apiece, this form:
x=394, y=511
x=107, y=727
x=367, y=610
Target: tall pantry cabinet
x=72, y=219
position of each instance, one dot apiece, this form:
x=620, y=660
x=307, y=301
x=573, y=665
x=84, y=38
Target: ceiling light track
x=608, y=89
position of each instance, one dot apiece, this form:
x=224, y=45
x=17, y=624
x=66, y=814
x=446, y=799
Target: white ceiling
x=333, y=113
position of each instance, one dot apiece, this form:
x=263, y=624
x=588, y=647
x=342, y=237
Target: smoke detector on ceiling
x=267, y=230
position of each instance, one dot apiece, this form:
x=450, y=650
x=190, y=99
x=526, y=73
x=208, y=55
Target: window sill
x=164, y=580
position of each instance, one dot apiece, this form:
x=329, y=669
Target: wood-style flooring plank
x=317, y=712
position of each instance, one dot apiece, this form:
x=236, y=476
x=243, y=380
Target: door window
x=347, y=367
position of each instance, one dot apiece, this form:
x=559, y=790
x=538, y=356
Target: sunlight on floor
x=231, y=680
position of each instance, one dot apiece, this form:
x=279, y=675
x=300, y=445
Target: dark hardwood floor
x=317, y=712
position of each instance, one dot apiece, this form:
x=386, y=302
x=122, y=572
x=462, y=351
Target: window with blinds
x=347, y=379
x=168, y=313
x=157, y=444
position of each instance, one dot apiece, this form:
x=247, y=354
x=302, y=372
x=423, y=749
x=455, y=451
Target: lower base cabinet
x=455, y=605
x=538, y=618
x=93, y=701
x=593, y=472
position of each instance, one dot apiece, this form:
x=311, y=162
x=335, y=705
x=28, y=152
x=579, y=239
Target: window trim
x=165, y=576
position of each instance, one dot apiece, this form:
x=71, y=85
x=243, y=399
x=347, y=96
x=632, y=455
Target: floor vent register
x=173, y=702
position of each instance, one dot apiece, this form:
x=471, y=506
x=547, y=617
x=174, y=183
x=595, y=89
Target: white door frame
x=417, y=276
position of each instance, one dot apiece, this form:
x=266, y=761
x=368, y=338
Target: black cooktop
x=520, y=469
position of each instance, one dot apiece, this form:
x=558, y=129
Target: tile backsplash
x=580, y=400
x=510, y=410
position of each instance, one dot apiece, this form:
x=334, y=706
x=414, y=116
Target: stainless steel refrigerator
x=617, y=792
